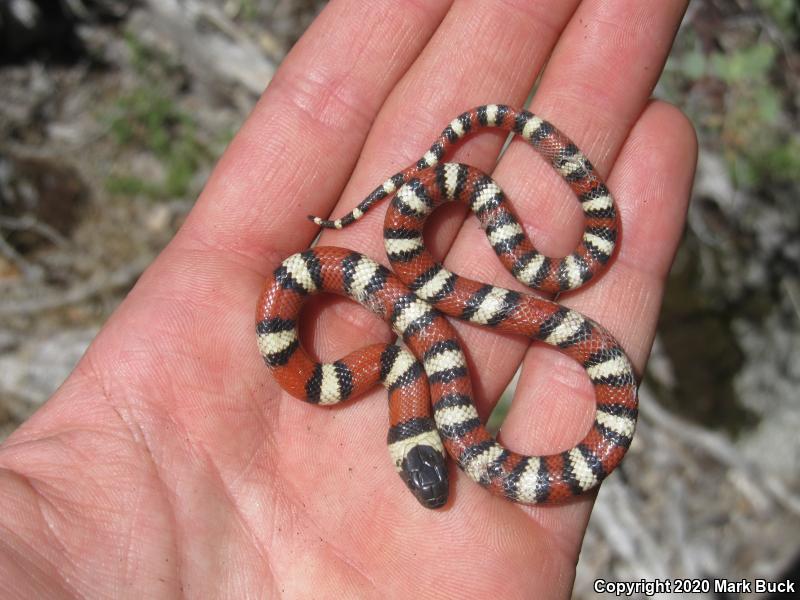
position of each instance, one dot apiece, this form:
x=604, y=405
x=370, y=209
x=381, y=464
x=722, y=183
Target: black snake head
x=425, y=474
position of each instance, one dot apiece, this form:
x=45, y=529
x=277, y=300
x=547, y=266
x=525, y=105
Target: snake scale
x=431, y=406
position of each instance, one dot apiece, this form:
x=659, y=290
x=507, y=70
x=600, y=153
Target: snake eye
x=425, y=474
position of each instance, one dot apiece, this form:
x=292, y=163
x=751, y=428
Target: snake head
x=425, y=473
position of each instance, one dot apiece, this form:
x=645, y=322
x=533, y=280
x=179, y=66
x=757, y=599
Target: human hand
x=170, y=462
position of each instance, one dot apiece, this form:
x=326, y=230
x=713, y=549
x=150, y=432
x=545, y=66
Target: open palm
x=171, y=463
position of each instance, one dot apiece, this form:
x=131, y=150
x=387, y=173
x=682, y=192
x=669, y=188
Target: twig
x=28, y=269
x=122, y=277
x=723, y=451
x=31, y=223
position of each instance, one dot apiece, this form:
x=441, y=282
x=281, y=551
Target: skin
x=171, y=463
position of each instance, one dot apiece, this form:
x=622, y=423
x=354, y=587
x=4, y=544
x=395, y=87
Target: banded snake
x=431, y=403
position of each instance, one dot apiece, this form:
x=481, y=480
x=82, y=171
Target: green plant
x=785, y=14
x=735, y=99
x=147, y=117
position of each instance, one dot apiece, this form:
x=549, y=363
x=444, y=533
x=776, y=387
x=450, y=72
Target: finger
x=554, y=406
x=297, y=149
x=598, y=82
x=627, y=39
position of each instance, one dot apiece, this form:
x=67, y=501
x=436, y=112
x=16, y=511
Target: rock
x=39, y=366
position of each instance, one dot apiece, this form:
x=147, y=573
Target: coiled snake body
x=434, y=378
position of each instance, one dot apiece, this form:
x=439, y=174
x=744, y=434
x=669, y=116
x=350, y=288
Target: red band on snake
x=436, y=379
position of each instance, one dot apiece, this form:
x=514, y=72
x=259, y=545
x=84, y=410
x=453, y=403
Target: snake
x=432, y=411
